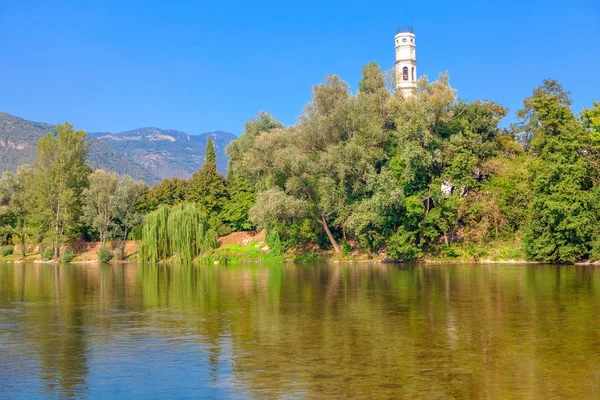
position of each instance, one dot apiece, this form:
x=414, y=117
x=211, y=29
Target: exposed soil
x=88, y=253
x=242, y=238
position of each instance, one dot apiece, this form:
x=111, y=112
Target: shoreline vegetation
x=249, y=247
x=365, y=176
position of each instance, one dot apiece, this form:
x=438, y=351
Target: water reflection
x=360, y=331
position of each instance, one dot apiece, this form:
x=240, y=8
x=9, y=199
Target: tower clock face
x=404, y=40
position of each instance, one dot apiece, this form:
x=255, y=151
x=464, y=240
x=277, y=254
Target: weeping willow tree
x=181, y=231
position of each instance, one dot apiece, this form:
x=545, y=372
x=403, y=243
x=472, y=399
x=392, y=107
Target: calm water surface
x=323, y=331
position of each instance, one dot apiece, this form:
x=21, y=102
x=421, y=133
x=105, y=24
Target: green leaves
x=565, y=210
x=109, y=204
x=59, y=177
x=181, y=231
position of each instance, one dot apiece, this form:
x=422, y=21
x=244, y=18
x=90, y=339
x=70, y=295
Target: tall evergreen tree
x=208, y=189
x=211, y=156
x=564, y=213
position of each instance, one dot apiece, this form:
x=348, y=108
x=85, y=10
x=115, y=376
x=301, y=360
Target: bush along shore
x=250, y=247
x=370, y=175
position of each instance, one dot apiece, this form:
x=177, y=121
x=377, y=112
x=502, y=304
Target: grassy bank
x=249, y=248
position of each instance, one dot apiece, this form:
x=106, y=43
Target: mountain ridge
x=149, y=154
x=168, y=152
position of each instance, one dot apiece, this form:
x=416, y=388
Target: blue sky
x=200, y=66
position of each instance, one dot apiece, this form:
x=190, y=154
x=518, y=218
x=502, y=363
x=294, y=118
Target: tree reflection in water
x=351, y=330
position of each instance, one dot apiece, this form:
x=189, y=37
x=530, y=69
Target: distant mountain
x=168, y=152
x=19, y=137
x=149, y=154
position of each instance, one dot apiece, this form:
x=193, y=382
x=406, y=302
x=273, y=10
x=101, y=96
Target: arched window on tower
x=413, y=73
x=405, y=73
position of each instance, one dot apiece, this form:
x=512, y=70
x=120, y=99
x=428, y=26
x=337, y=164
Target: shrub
x=346, y=248
x=402, y=247
x=308, y=258
x=67, y=256
x=104, y=254
x=274, y=242
x=595, y=250
x=8, y=250
x=473, y=251
x=47, y=254
x=448, y=251
x=119, y=253
x=510, y=253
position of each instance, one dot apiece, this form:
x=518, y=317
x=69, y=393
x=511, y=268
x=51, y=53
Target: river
x=285, y=331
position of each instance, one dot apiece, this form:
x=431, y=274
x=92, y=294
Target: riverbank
x=250, y=247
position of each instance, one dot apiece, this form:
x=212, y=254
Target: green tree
x=109, y=204
x=14, y=198
x=208, y=189
x=211, y=156
x=236, y=150
x=323, y=163
x=98, y=202
x=241, y=199
x=59, y=177
x=563, y=217
x=182, y=231
x=130, y=194
x=167, y=192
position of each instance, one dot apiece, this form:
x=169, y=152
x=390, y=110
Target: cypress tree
x=210, y=159
x=208, y=188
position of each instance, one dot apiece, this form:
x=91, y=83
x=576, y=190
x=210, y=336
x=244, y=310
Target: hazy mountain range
x=149, y=154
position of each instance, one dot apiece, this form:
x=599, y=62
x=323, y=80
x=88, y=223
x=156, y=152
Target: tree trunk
x=22, y=237
x=56, y=230
x=23, y=244
x=496, y=224
x=56, y=240
x=334, y=243
x=323, y=222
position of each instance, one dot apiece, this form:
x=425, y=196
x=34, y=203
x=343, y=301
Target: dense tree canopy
x=369, y=172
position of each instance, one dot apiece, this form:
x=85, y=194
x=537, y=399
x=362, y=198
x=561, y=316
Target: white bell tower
x=406, y=60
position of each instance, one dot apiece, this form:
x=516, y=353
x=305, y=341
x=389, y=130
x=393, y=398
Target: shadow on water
x=350, y=330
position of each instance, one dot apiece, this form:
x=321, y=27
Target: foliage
x=7, y=250
x=25, y=134
x=14, y=198
x=167, y=192
x=98, y=203
x=208, y=189
x=182, y=231
x=67, y=256
x=119, y=254
x=346, y=248
x=274, y=243
x=564, y=213
x=241, y=199
x=47, y=254
x=402, y=247
x=104, y=254
x=308, y=258
x=59, y=177
x=371, y=171
x=238, y=149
